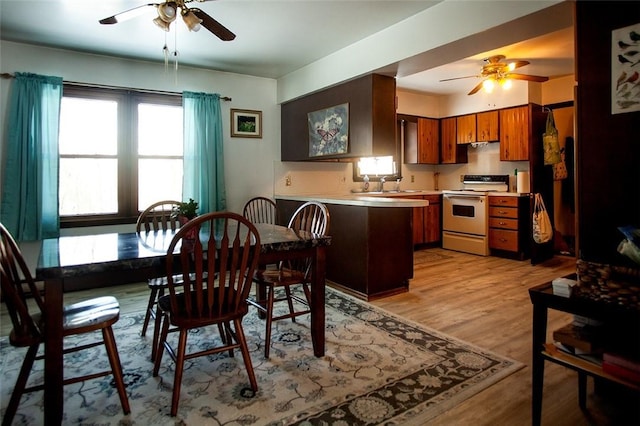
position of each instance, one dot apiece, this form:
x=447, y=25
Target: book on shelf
x=621, y=372
x=586, y=339
x=622, y=361
x=594, y=358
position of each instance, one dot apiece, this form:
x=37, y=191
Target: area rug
x=378, y=369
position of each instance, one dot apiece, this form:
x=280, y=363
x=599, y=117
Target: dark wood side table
x=543, y=299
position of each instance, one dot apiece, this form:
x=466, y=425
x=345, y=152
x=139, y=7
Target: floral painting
x=625, y=69
x=329, y=131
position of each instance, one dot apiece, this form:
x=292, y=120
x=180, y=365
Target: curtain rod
x=102, y=86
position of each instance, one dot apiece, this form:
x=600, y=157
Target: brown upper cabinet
x=487, y=126
x=515, y=133
x=372, y=119
x=428, y=140
x=466, y=129
x=450, y=151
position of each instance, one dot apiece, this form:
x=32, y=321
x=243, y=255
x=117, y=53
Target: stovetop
x=481, y=185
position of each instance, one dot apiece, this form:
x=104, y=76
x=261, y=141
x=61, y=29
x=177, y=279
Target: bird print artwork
x=625, y=96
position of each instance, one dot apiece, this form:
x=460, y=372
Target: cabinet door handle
x=502, y=212
x=502, y=223
x=504, y=240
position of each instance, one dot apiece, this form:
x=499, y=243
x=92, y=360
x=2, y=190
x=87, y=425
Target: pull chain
x=165, y=52
x=175, y=55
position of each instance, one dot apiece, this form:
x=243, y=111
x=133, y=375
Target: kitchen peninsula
x=371, y=252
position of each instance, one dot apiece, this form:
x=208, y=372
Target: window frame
x=127, y=150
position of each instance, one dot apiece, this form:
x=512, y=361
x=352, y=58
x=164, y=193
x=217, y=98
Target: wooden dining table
x=119, y=258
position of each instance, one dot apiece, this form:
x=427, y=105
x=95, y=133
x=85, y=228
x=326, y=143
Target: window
x=375, y=168
x=119, y=152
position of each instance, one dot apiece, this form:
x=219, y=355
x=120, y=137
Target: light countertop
x=363, y=199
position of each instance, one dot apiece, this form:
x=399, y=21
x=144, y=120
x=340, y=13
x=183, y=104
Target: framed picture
x=625, y=76
x=329, y=131
x=246, y=123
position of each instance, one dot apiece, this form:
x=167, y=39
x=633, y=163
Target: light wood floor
x=484, y=301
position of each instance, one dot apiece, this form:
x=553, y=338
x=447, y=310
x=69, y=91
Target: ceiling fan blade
x=127, y=14
x=214, y=26
x=475, y=89
x=459, y=78
x=516, y=64
x=527, y=77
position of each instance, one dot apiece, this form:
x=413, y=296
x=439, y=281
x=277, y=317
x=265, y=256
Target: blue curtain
x=203, y=169
x=30, y=181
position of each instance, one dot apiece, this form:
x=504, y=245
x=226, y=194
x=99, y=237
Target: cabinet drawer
x=503, y=212
x=503, y=201
x=499, y=222
x=502, y=239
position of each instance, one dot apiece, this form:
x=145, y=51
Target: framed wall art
x=246, y=123
x=625, y=71
x=329, y=131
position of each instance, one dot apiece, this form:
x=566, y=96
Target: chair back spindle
x=260, y=210
x=213, y=263
x=17, y=285
x=158, y=217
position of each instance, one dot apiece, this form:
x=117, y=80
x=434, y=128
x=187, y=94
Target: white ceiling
x=273, y=38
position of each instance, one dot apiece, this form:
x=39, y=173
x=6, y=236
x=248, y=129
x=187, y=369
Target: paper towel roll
x=522, y=182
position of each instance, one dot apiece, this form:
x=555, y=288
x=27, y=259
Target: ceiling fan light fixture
x=162, y=24
x=167, y=12
x=488, y=85
x=506, y=83
x=191, y=20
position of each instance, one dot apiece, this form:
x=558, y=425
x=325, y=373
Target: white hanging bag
x=542, y=229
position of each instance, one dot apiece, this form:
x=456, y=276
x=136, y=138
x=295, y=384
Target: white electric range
x=465, y=213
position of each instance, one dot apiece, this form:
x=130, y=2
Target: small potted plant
x=185, y=211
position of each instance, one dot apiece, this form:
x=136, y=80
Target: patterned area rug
x=378, y=368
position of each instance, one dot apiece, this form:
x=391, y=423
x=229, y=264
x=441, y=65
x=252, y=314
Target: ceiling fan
x=495, y=71
x=168, y=10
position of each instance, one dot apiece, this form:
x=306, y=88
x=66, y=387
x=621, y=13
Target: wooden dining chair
x=157, y=217
x=222, y=256
x=260, y=210
x=79, y=318
x=311, y=217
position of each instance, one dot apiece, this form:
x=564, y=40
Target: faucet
x=381, y=184
x=398, y=184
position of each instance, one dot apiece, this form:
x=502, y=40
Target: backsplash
x=337, y=178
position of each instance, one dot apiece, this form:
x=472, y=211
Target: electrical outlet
x=413, y=178
x=287, y=180
x=461, y=178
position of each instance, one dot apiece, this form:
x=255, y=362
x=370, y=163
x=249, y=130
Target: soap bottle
x=366, y=183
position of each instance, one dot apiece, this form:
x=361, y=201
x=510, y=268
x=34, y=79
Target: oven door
x=465, y=213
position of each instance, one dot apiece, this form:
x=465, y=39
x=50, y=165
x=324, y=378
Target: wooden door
x=418, y=225
x=448, y=140
x=428, y=141
x=466, y=129
x=541, y=178
x=432, y=219
x=487, y=126
x=514, y=134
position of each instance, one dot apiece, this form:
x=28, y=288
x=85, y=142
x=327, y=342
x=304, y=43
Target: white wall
x=249, y=162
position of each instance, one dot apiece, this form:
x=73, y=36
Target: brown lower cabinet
x=371, y=251
x=427, y=221
x=509, y=226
